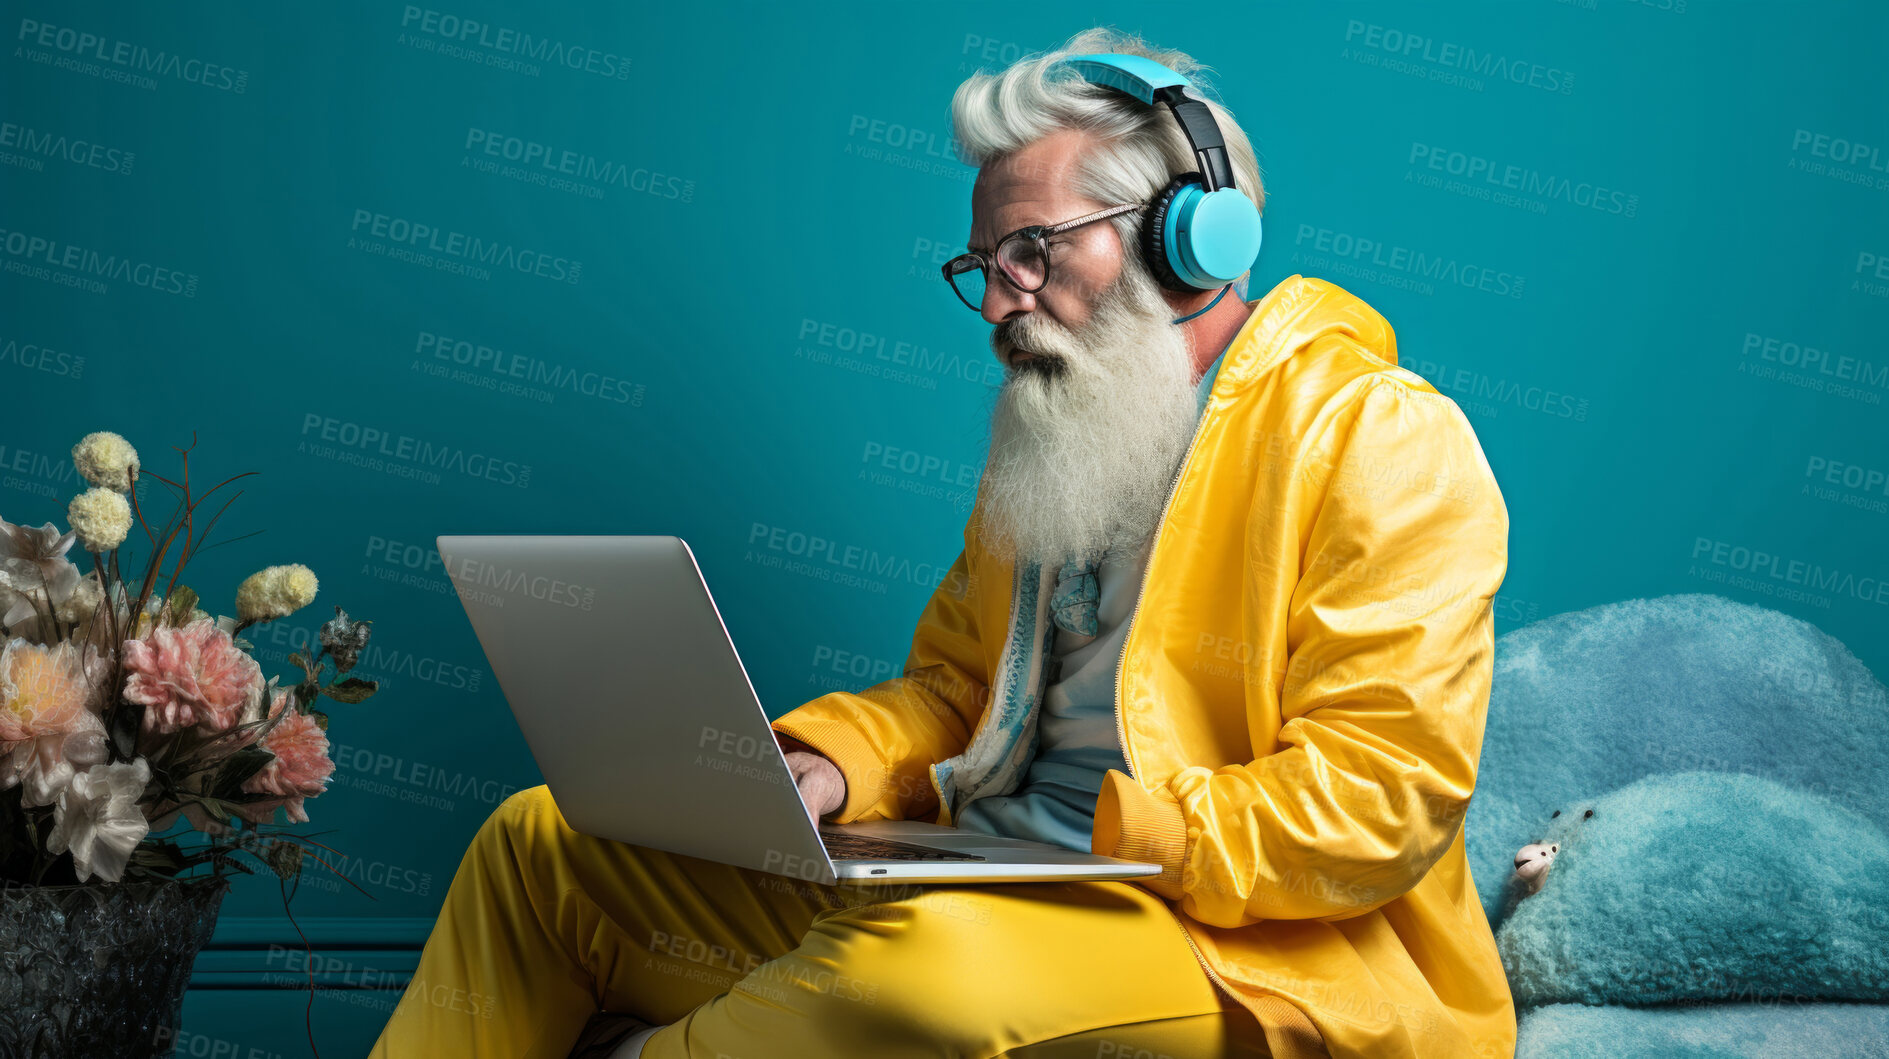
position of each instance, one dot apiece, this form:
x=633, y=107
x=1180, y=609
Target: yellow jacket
x=1301, y=692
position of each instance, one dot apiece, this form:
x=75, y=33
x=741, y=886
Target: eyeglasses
x=1022, y=256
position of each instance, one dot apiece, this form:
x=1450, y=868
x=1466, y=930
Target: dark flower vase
x=100, y=970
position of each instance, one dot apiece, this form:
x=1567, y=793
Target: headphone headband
x=1153, y=84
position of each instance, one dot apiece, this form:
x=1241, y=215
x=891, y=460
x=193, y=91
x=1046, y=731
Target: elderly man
x=1224, y=604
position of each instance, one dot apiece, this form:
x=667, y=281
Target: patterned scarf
x=1073, y=605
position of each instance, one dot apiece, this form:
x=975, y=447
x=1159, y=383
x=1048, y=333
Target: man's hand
x=821, y=785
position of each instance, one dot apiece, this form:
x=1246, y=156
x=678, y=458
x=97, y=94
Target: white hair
x=1137, y=149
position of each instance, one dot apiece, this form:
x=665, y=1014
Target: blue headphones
x=1199, y=233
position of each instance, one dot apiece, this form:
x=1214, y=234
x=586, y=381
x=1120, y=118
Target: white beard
x=1081, y=458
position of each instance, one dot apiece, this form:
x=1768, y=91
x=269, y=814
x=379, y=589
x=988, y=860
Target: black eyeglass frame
x=1040, y=233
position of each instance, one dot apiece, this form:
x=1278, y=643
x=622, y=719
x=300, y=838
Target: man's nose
x=1005, y=302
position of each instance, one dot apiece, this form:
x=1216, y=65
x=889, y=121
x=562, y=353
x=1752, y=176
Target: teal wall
x=1644, y=245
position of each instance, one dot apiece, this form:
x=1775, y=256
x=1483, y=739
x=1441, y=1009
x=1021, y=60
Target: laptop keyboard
x=844, y=845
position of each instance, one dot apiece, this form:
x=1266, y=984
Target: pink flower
x=300, y=770
x=194, y=675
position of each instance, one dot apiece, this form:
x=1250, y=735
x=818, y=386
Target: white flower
x=98, y=819
x=33, y=566
x=107, y=460
x=100, y=518
x=44, y=767
x=84, y=600
x=275, y=591
x=15, y=608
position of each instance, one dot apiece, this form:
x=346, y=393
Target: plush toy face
x=1533, y=860
x=1532, y=863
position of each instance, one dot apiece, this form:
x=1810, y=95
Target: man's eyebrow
x=1018, y=228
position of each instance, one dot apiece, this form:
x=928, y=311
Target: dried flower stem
x=111, y=606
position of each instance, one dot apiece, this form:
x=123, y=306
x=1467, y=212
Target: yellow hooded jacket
x=1301, y=693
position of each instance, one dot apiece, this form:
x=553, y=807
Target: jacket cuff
x=1134, y=823
x=841, y=744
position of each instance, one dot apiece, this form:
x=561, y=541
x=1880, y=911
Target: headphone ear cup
x=1154, y=243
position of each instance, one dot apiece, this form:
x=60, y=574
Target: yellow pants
x=543, y=927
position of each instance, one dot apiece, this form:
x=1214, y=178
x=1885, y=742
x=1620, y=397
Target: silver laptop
x=627, y=687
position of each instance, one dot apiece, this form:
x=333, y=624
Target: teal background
x=757, y=324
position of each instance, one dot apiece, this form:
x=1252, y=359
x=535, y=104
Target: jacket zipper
x=1121, y=663
x=1121, y=734
x=1204, y=965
